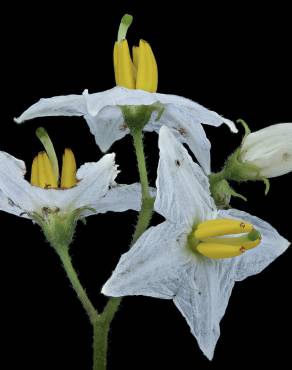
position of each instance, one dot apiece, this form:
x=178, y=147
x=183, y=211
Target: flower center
x=213, y=238
x=45, y=169
x=140, y=70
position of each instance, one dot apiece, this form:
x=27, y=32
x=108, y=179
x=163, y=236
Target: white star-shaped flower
x=166, y=261
x=106, y=122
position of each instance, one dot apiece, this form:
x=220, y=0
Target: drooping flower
x=134, y=102
x=269, y=150
x=56, y=202
x=197, y=254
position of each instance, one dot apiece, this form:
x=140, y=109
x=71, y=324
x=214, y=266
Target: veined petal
x=187, y=129
x=272, y=136
x=255, y=260
x=117, y=96
x=7, y=205
x=204, y=115
x=153, y=266
x=121, y=197
x=69, y=105
x=20, y=193
x=272, y=161
x=107, y=127
x=91, y=107
x=94, y=181
x=203, y=297
x=183, y=194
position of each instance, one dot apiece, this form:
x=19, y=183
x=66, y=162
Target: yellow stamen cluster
x=42, y=174
x=139, y=72
x=212, y=243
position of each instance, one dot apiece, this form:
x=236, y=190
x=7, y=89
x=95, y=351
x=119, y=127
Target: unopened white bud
x=269, y=149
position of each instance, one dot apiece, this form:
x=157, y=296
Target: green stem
x=100, y=337
x=101, y=322
x=144, y=218
x=63, y=253
x=141, y=162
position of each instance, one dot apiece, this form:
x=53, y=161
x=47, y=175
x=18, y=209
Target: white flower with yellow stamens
x=111, y=113
x=195, y=256
x=55, y=204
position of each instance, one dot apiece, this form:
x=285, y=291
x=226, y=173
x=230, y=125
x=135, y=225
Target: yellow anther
x=211, y=238
x=147, y=74
x=34, y=177
x=222, y=228
x=124, y=70
x=116, y=51
x=68, y=177
x=139, y=73
x=241, y=241
x=46, y=178
x=213, y=250
x=135, y=53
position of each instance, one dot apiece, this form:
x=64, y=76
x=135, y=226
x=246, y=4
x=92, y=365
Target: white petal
x=203, y=297
x=100, y=113
x=255, y=260
x=107, y=127
x=69, y=105
x=153, y=266
x=272, y=162
x=7, y=205
x=117, y=96
x=270, y=149
x=95, y=180
x=120, y=198
x=201, y=113
x=273, y=135
x=18, y=192
x=187, y=129
x=183, y=194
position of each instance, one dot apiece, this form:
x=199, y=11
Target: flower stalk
x=101, y=321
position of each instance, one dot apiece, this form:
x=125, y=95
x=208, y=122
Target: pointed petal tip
x=108, y=291
x=18, y=120
x=231, y=125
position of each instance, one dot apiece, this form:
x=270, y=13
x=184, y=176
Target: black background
x=234, y=60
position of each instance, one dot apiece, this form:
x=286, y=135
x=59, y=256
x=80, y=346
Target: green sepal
x=245, y=126
x=221, y=191
x=58, y=227
x=137, y=116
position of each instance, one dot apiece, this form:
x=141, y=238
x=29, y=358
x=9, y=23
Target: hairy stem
x=63, y=253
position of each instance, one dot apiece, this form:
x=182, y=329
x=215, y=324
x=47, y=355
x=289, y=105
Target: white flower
x=161, y=263
x=95, y=192
x=105, y=119
x=269, y=149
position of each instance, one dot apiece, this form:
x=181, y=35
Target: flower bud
x=269, y=149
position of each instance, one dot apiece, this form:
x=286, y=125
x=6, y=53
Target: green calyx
x=221, y=191
x=58, y=227
x=239, y=171
x=137, y=116
x=234, y=170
